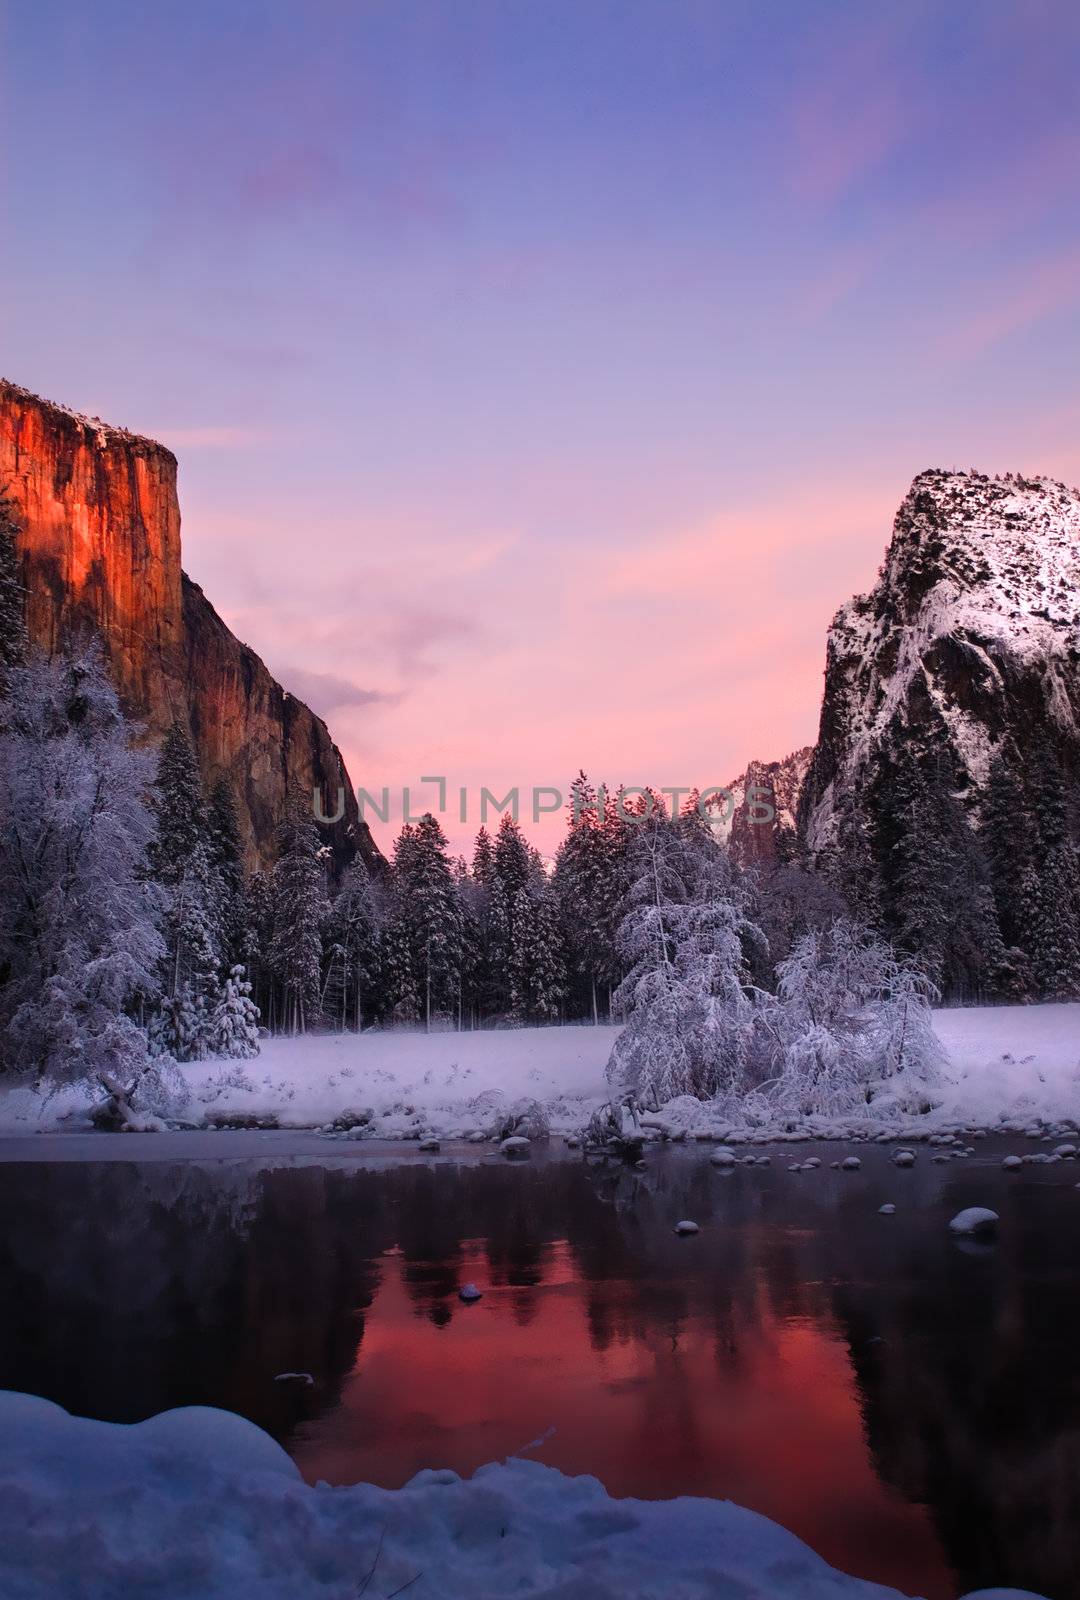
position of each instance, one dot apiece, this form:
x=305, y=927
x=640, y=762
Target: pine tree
x=483, y=862
x=299, y=912
x=234, y=1025
x=353, y=943
x=429, y=912
x=12, y=593
x=255, y=942
x=227, y=861
x=80, y=941
x=181, y=861
x=581, y=885
x=537, y=976
x=402, y=996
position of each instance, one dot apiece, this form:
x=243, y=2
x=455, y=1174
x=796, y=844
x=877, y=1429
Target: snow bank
x=200, y=1502
x=1018, y=1064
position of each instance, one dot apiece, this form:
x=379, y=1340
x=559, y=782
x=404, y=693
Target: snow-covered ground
x=201, y=1502
x=1015, y=1064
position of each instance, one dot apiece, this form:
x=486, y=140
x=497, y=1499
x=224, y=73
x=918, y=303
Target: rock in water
x=975, y=1219
x=850, y=1164
x=1012, y=1163
x=904, y=1158
x=722, y=1158
x=516, y=1145
x=469, y=1292
x=429, y=1144
x=687, y=1227
x=887, y=1210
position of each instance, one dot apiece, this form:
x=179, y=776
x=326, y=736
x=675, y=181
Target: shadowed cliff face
x=100, y=543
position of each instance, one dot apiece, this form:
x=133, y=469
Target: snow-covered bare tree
x=80, y=919
x=850, y=1025
x=687, y=996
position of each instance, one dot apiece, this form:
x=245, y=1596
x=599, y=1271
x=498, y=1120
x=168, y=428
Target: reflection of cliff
x=972, y=1403
x=100, y=543
x=745, y=1362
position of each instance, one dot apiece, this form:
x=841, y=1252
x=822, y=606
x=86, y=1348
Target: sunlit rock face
x=968, y=645
x=755, y=815
x=100, y=544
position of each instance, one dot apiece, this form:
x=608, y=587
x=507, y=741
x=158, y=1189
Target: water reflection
x=911, y=1410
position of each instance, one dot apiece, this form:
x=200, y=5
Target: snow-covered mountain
x=953, y=688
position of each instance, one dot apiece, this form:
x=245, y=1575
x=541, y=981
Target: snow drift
x=200, y=1502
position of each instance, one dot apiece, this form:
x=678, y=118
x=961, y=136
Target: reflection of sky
x=543, y=376
x=654, y=1413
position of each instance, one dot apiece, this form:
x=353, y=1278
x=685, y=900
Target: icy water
x=909, y=1405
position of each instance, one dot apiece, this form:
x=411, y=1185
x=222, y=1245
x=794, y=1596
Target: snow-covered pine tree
x=940, y=906
x=483, y=861
x=1053, y=904
x=353, y=949
x=399, y=981
x=298, y=890
x=537, y=971
x=255, y=944
x=180, y=860
x=234, y=1023
x=689, y=1005
x=426, y=894
x=80, y=940
x=227, y=861
x=512, y=867
x=581, y=882
x=12, y=593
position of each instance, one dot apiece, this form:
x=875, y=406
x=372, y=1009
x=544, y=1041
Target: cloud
x=325, y=692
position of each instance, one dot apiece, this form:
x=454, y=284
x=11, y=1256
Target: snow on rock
x=469, y=1292
x=887, y=1210
x=516, y=1145
x=687, y=1227
x=974, y=1219
x=850, y=1164
x=199, y=1502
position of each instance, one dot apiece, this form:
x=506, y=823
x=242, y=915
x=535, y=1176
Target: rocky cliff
x=100, y=543
x=754, y=837
x=947, y=768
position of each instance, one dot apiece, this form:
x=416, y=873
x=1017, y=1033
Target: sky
x=545, y=373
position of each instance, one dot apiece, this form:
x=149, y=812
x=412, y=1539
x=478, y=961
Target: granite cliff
x=100, y=543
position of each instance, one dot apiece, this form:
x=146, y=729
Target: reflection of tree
x=131, y=1288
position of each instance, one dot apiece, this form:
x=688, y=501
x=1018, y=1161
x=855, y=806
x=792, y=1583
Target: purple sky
x=544, y=373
